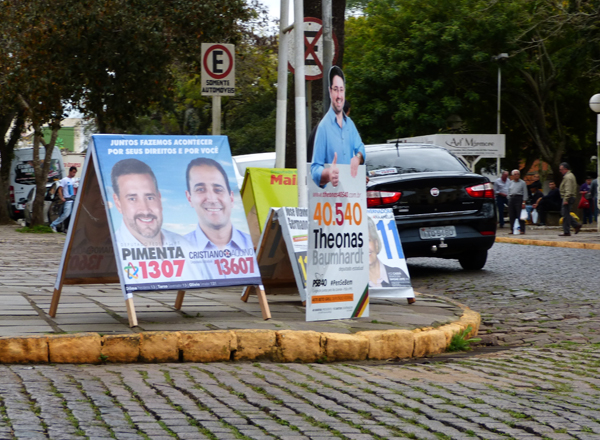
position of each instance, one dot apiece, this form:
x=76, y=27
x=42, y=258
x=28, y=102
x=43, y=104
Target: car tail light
x=488, y=233
x=11, y=194
x=377, y=198
x=483, y=190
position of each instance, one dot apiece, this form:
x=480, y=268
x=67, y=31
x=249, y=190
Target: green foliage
x=111, y=60
x=37, y=229
x=413, y=66
x=248, y=118
x=114, y=61
x=459, y=341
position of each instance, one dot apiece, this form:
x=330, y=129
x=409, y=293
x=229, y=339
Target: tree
x=11, y=125
x=33, y=81
x=110, y=60
x=413, y=64
x=248, y=117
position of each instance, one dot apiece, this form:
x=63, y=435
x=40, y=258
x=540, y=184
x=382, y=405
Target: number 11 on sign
x=391, y=225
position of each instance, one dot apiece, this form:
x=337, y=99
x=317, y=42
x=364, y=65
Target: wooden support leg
x=262, y=301
x=179, y=299
x=131, y=312
x=246, y=293
x=54, y=303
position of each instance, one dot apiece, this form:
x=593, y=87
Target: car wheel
x=473, y=260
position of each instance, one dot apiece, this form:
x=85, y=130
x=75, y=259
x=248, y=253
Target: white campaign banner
x=337, y=282
x=388, y=273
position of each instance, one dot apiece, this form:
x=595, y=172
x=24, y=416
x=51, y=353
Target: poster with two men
x=174, y=212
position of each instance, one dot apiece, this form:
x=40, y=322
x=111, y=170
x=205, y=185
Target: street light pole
x=595, y=106
x=499, y=58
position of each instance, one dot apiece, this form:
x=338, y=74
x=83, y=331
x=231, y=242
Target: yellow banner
x=266, y=188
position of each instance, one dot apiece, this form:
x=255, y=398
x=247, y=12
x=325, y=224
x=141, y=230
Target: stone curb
x=564, y=244
x=233, y=345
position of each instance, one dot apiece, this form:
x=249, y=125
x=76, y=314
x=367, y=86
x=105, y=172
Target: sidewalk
x=30, y=264
x=588, y=237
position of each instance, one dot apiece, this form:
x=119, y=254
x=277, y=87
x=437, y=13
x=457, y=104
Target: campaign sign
x=294, y=227
x=175, y=212
x=338, y=241
x=388, y=273
x=91, y=253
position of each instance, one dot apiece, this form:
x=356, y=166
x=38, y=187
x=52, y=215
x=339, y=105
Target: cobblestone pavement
x=523, y=393
x=543, y=299
x=530, y=295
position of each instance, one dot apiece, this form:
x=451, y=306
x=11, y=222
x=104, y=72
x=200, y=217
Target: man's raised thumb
x=334, y=159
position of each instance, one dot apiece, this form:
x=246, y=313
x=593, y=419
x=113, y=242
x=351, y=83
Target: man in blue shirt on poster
x=228, y=252
x=337, y=140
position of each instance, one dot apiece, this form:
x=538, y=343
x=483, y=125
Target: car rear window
x=411, y=160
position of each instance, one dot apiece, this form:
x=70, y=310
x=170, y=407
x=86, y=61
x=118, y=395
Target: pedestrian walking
x=66, y=193
x=517, y=194
x=501, y=190
x=568, y=192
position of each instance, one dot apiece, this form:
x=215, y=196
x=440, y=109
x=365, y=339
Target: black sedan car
x=442, y=209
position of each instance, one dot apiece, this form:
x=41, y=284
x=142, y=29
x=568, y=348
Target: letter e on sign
x=218, y=69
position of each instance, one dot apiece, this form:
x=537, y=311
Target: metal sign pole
x=282, y=84
x=327, y=51
x=300, y=101
x=216, y=115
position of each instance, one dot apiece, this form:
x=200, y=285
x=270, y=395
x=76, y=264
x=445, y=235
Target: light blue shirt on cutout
x=331, y=139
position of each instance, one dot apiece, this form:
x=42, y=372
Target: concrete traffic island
x=235, y=345
x=213, y=325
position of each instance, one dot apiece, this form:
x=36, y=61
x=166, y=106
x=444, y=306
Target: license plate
x=437, y=232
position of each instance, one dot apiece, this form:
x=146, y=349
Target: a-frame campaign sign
x=281, y=251
x=158, y=213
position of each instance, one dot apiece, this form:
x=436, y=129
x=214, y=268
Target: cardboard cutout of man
x=209, y=193
x=337, y=141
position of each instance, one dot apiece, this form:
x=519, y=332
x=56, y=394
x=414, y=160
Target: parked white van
x=22, y=177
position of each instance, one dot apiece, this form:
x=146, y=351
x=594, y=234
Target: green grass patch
x=460, y=342
x=39, y=229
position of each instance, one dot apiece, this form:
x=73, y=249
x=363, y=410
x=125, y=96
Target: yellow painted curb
x=232, y=345
x=562, y=244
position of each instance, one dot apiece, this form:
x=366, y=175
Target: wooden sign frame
x=74, y=259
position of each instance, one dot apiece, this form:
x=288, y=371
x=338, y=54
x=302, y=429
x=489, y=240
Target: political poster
x=174, y=212
x=388, y=273
x=338, y=277
x=266, y=188
x=294, y=227
x=91, y=253
x=273, y=258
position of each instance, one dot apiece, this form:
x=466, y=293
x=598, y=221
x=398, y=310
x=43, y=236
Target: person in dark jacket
x=550, y=202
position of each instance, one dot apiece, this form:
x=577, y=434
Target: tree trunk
x=6, y=155
x=41, y=170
